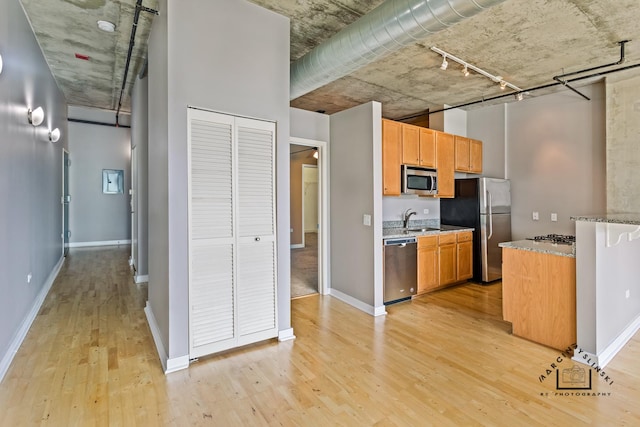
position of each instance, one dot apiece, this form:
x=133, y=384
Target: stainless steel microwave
x=420, y=181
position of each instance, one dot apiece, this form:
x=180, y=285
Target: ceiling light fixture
x=315, y=153
x=445, y=64
x=465, y=71
x=467, y=66
x=54, y=135
x=36, y=117
x=106, y=26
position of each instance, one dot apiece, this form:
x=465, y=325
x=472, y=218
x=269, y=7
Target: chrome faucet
x=405, y=217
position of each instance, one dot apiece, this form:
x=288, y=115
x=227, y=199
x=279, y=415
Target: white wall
x=556, y=160
x=452, y=121
x=309, y=125
x=140, y=140
x=96, y=217
x=215, y=61
x=356, y=190
x=30, y=179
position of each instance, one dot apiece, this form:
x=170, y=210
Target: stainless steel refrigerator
x=485, y=205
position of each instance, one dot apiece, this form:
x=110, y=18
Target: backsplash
x=394, y=207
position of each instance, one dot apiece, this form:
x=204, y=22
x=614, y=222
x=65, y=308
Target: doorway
x=309, y=221
x=66, y=199
x=133, y=202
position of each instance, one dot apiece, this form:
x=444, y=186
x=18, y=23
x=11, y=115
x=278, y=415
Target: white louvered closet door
x=231, y=232
x=256, y=280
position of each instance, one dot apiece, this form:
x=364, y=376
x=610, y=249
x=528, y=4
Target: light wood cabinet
x=447, y=254
x=427, y=263
x=391, y=157
x=464, y=260
x=475, y=156
x=445, y=151
x=418, y=146
x=539, y=296
x=468, y=154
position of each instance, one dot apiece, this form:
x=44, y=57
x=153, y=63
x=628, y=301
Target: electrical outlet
x=366, y=219
x=425, y=211
x=291, y=230
x=535, y=216
x=627, y=294
x=554, y=217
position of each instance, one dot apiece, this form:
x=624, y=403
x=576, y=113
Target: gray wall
x=488, y=125
x=394, y=207
x=355, y=190
x=240, y=74
x=30, y=173
x=93, y=215
x=309, y=125
x=556, y=160
x=623, y=155
x=140, y=140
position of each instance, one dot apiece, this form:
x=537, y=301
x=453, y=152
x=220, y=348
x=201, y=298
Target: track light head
x=465, y=71
x=503, y=84
x=445, y=64
x=519, y=96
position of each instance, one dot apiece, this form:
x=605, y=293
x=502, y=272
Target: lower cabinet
x=427, y=263
x=444, y=260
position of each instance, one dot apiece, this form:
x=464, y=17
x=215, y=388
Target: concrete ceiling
x=525, y=41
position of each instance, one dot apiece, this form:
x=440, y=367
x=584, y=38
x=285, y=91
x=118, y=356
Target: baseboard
x=286, y=335
x=177, y=364
x=612, y=349
x=155, y=333
x=143, y=278
x=102, y=243
x=16, y=342
x=354, y=302
x=297, y=246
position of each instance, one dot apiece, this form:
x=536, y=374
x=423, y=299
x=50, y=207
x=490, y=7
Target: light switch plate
x=366, y=219
x=535, y=216
x=425, y=211
x=554, y=217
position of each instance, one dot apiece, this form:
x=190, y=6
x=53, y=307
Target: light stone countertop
x=542, y=247
x=612, y=218
x=388, y=233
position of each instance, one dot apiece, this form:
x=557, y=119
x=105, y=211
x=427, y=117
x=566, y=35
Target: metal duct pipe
x=389, y=27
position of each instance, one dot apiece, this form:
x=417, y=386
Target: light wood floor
x=444, y=359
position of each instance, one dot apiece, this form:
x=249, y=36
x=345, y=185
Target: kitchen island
x=539, y=291
x=608, y=283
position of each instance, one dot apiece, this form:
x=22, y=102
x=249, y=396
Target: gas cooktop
x=563, y=239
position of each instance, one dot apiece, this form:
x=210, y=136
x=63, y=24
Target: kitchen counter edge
x=541, y=247
x=390, y=233
x=630, y=219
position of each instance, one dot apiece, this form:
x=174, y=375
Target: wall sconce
x=54, y=135
x=36, y=117
x=0, y=64
x=315, y=153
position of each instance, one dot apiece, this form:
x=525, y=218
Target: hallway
x=445, y=358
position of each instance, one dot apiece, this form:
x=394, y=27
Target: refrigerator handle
x=490, y=216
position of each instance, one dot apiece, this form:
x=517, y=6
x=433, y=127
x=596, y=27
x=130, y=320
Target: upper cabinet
x=445, y=150
x=391, y=157
x=418, y=146
x=468, y=155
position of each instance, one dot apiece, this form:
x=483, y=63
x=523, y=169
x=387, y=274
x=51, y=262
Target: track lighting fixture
x=54, y=135
x=445, y=64
x=36, y=117
x=498, y=79
x=519, y=96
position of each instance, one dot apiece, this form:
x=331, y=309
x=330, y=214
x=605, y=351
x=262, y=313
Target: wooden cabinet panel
x=465, y=260
x=447, y=239
x=465, y=236
x=447, y=264
x=427, y=269
x=428, y=148
x=462, y=154
x=445, y=150
x=391, y=157
x=475, y=156
x=539, y=296
x=410, y=145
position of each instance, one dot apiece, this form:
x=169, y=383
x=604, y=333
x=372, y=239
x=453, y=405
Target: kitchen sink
x=419, y=230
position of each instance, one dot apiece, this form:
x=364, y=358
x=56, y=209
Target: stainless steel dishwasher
x=400, y=268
